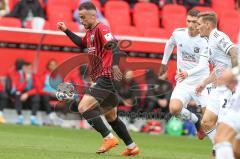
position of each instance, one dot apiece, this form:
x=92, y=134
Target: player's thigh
x=87, y=102
x=225, y=133
x=179, y=98
x=236, y=147
x=209, y=120
x=111, y=115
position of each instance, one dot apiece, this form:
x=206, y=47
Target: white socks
x=1, y=113
x=109, y=136
x=211, y=134
x=187, y=115
x=224, y=151
x=131, y=146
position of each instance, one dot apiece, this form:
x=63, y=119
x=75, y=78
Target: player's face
x=202, y=27
x=86, y=18
x=192, y=25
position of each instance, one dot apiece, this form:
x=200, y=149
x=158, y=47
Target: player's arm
x=234, y=56
x=225, y=44
x=113, y=46
x=210, y=79
x=74, y=38
x=230, y=76
x=167, y=53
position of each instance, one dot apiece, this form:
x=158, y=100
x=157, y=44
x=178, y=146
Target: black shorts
x=104, y=91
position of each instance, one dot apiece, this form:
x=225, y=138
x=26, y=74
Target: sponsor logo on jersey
x=92, y=39
x=91, y=49
x=196, y=49
x=223, y=42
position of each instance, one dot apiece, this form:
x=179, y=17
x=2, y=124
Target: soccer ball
x=65, y=91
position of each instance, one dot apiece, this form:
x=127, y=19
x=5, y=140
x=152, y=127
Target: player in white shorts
x=223, y=55
x=226, y=139
x=191, y=50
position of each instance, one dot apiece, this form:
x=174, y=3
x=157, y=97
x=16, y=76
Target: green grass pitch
x=27, y=142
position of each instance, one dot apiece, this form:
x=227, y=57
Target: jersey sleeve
x=224, y=43
x=168, y=49
x=106, y=35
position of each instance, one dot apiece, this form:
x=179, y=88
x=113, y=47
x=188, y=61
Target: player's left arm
x=234, y=56
x=111, y=44
x=225, y=44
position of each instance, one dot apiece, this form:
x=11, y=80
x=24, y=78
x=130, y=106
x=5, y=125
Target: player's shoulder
x=179, y=30
x=103, y=27
x=218, y=35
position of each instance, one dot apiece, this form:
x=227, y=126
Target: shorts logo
x=196, y=49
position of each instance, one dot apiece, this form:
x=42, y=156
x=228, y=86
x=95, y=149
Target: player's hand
x=117, y=74
x=61, y=26
x=162, y=70
x=199, y=88
x=24, y=97
x=181, y=76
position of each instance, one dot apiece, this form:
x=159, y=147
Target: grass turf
x=28, y=142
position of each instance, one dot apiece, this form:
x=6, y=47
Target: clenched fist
x=61, y=26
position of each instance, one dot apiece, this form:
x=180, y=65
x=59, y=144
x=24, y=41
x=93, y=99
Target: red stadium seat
x=127, y=31
x=117, y=13
x=52, y=4
x=156, y=33
x=12, y=3
x=146, y=15
x=204, y=9
x=220, y=5
x=173, y=16
x=60, y=14
x=230, y=26
x=10, y=22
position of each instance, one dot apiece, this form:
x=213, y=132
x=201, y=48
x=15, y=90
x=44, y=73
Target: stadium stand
x=117, y=13
x=10, y=22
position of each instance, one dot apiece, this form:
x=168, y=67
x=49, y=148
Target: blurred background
x=31, y=48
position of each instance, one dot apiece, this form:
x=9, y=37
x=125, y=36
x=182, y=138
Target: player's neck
x=94, y=25
x=210, y=31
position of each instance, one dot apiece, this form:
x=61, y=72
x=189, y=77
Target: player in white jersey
x=223, y=55
x=191, y=50
x=226, y=139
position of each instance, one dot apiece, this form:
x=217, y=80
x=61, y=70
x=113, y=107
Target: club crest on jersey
x=196, y=49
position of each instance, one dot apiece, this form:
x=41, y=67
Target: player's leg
x=224, y=138
x=35, y=104
x=18, y=106
x=208, y=124
x=236, y=145
x=121, y=130
x=89, y=108
x=179, y=100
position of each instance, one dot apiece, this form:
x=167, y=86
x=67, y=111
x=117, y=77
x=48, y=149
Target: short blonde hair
x=209, y=16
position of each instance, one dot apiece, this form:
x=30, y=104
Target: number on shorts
x=209, y=90
x=225, y=103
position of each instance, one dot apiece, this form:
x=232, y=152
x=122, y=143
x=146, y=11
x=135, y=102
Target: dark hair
x=26, y=63
x=87, y=6
x=193, y=12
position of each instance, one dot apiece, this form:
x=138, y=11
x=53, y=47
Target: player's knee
x=174, y=109
x=81, y=109
x=110, y=117
x=207, y=125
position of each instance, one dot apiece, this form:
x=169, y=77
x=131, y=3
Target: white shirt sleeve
x=168, y=49
x=202, y=64
x=224, y=43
